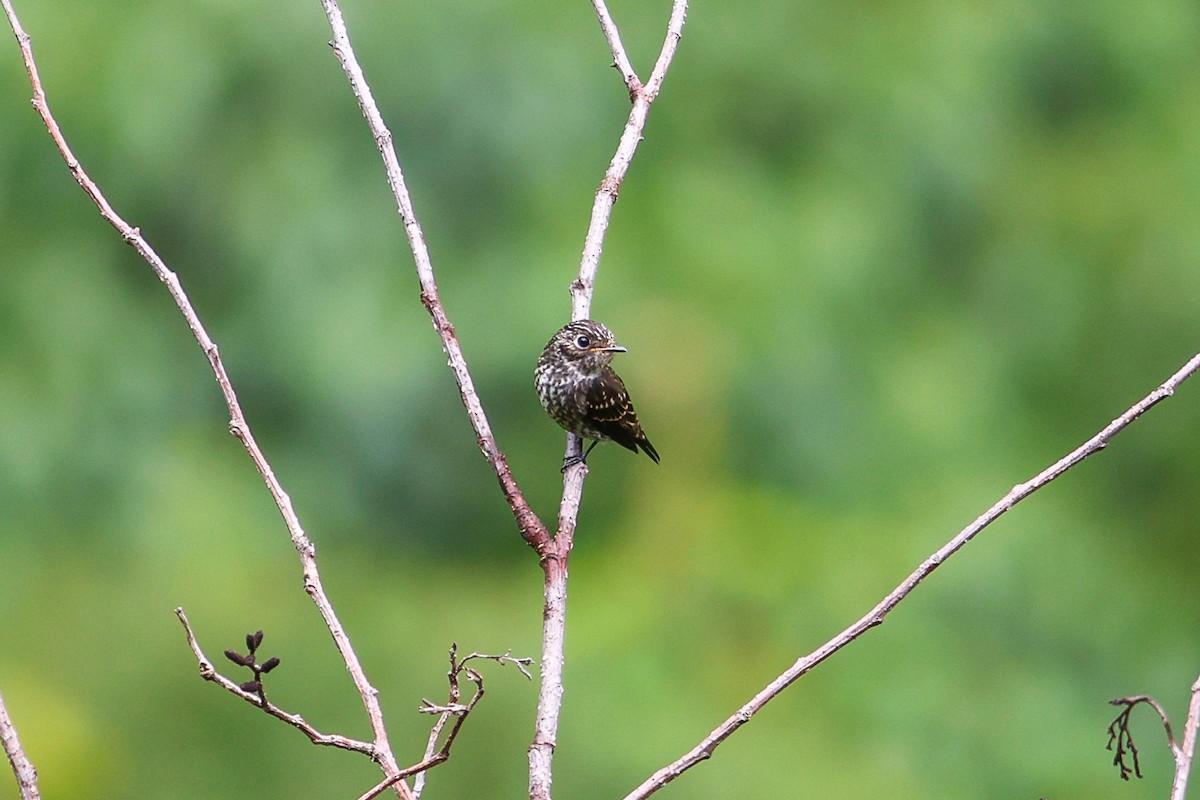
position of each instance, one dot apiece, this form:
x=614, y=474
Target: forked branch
x=454, y=709
x=557, y=556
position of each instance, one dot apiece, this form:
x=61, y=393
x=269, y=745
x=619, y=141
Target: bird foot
x=571, y=461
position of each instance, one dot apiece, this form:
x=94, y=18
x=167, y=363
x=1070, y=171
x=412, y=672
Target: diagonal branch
x=620, y=57
x=532, y=529
x=22, y=767
x=237, y=423
x=876, y=615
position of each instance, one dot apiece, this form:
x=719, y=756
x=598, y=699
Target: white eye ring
x=583, y=342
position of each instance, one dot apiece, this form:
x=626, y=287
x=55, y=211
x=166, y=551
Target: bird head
x=587, y=344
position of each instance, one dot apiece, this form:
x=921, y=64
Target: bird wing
x=613, y=415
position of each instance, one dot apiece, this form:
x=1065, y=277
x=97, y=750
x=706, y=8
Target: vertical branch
x=555, y=558
x=1184, y=753
x=22, y=767
x=550, y=690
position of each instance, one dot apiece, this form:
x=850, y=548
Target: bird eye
x=583, y=342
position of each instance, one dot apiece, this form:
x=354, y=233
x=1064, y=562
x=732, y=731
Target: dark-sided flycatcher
x=580, y=391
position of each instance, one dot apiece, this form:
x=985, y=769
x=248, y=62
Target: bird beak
x=616, y=348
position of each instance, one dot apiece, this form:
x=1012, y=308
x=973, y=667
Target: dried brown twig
x=451, y=709
x=1125, y=755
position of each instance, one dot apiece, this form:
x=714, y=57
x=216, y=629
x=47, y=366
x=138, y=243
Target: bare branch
x=416, y=769
x=502, y=659
x=532, y=529
x=550, y=690
x=22, y=767
x=1185, y=753
x=209, y=673
x=620, y=57
x=431, y=748
x=667, y=54
x=456, y=710
x=434, y=756
x=876, y=615
x=237, y=423
x=552, y=552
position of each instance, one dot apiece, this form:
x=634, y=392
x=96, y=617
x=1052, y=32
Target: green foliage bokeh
x=874, y=263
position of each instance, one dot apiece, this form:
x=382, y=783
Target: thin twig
x=453, y=709
x=875, y=616
x=209, y=673
x=556, y=557
x=620, y=57
x=456, y=710
x=431, y=751
x=418, y=769
x=533, y=530
x=237, y=424
x=22, y=767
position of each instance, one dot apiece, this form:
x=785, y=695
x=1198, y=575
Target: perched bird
x=580, y=391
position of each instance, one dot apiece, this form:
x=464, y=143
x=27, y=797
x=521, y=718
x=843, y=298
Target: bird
x=582, y=393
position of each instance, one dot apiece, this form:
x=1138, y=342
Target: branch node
x=611, y=185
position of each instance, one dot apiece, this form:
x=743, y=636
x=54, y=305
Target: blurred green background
x=875, y=262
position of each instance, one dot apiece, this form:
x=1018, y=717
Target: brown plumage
x=580, y=391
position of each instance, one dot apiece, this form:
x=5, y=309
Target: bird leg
x=571, y=461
